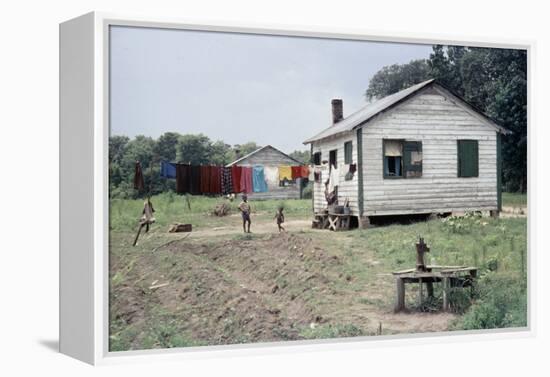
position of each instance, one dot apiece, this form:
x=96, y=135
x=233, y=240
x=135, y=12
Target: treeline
x=171, y=146
x=492, y=79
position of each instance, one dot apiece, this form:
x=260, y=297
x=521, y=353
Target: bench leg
x=430, y=289
x=400, y=302
x=420, y=292
x=445, y=294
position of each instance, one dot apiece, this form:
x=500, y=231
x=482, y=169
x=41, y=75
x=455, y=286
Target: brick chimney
x=337, y=110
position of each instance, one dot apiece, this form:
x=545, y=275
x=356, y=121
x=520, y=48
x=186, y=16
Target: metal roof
x=374, y=108
x=260, y=149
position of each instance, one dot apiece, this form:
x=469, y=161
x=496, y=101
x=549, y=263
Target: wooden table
x=449, y=276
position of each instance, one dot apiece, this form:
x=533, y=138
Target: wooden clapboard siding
x=438, y=122
x=346, y=189
x=270, y=156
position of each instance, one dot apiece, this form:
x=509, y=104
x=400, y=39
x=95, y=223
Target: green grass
x=360, y=280
x=172, y=208
x=498, y=247
x=512, y=199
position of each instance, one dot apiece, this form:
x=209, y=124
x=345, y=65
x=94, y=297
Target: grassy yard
x=513, y=199
x=219, y=286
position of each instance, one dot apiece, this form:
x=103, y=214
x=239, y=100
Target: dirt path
x=258, y=227
x=288, y=286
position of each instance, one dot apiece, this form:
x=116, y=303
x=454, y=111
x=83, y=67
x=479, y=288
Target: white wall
x=346, y=189
x=438, y=123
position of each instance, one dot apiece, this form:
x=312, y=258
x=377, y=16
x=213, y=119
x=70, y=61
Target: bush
x=502, y=303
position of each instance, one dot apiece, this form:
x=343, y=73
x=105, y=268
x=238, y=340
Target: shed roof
x=261, y=149
x=372, y=109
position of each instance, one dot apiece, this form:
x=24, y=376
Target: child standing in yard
x=244, y=207
x=280, y=217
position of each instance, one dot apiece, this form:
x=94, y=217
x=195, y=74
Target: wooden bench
x=449, y=276
x=332, y=221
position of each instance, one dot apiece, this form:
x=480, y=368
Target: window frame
x=459, y=173
x=403, y=166
x=335, y=151
x=348, y=154
x=314, y=160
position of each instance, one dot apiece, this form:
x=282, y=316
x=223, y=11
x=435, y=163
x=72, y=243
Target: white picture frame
x=84, y=132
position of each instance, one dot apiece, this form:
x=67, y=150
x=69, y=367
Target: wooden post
x=430, y=288
x=420, y=292
x=445, y=294
x=400, y=304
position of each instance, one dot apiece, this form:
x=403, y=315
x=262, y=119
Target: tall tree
x=494, y=80
x=166, y=146
x=393, y=78
x=193, y=149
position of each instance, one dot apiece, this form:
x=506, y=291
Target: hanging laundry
x=183, y=178
x=226, y=181
x=311, y=175
x=271, y=174
x=215, y=180
x=258, y=179
x=285, y=172
x=205, y=179
x=246, y=179
x=167, y=169
x=334, y=178
x=138, y=177
x=236, y=172
x=304, y=171
x=296, y=172
x=195, y=185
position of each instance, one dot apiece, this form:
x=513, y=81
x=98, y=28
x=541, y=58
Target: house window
x=393, y=156
x=332, y=158
x=348, y=153
x=402, y=159
x=468, y=158
x=412, y=159
x=317, y=158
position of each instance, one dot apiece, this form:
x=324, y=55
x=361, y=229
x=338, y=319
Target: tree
x=166, y=146
x=393, y=78
x=493, y=80
x=303, y=156
x=193, y=149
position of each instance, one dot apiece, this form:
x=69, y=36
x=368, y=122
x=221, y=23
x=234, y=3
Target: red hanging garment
x=236, y=172
x=205, y=179
x=215, y=180
x=246, y=179
x=296, y=172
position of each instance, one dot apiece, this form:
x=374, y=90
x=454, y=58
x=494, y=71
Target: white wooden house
x=421, y=150
x=271, y=157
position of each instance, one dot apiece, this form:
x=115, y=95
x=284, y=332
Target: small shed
x=421, y=150
x=271, y=158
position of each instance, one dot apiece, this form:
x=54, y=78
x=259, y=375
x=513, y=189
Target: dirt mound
x=243, y=290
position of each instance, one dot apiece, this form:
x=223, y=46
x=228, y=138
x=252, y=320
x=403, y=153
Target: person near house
x=280, y=217
x=244, y=207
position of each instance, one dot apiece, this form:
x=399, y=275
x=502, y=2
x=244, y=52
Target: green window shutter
x=468, y=158
x=412, y=159
x=348, y=152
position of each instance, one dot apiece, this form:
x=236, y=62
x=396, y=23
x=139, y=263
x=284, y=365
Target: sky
x=239, y=87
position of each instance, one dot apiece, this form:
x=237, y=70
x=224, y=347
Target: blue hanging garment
x=167, y=169
x=258, y=179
